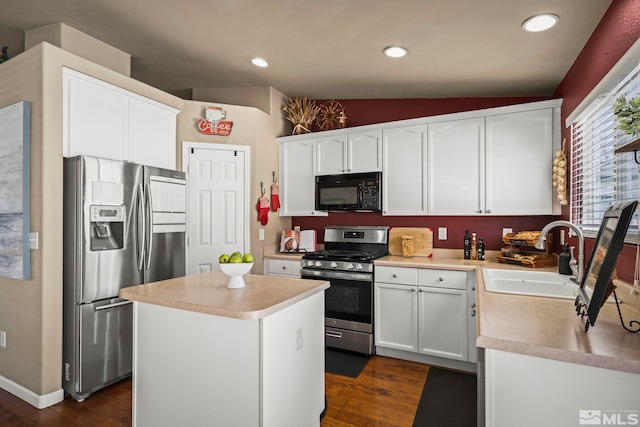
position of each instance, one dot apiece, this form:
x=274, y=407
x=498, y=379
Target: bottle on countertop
x=467, y=245
x=564, y=261
x=480, y=249
x=474, y=246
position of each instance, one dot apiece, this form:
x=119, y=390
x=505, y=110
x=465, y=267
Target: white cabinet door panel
x=396, y=317
x=364, y=152
x=443, y=322
x=519, y=163
x=404, y=177
x=152, y=133
x=96, y=120
x=456, y=167
x=297, y=178
x=331, y=155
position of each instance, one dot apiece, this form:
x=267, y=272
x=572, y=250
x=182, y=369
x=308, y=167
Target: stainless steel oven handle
x=327, y=274
x=333, y=334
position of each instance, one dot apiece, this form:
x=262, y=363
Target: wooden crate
x=528, y=259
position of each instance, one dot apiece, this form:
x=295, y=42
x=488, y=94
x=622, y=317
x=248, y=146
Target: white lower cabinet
x=425, y=312
x=282, y=267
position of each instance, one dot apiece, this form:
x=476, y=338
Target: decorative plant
x=628, y=113
x=301, y=112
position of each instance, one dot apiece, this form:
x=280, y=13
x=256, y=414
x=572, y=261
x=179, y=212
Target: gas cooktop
x=342, y=255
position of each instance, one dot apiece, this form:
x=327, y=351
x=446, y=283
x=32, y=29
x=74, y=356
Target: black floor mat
x=344, y=363
x=448, y=399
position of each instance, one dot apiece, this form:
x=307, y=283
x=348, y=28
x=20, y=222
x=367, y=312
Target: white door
x=218, y=203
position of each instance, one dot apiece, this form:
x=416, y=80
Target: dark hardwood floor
x=386, y=393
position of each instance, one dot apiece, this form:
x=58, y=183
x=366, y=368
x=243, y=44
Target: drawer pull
x=284, y=267
x=333, y=334
x=441, y=279
x=394, y=275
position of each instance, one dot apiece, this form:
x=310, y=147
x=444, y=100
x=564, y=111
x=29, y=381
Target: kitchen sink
x=536, y=283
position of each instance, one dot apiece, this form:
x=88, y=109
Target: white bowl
x=235, y=271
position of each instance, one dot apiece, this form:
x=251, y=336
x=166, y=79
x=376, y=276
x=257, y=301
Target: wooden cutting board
x=422, y=240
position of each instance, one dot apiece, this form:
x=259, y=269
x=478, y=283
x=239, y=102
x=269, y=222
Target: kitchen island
x=208, y=355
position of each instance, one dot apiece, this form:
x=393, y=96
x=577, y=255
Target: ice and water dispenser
x=107, y=227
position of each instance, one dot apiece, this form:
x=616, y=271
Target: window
x=598, y=176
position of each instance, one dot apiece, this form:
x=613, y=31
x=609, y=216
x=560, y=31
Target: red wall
x=618, y=30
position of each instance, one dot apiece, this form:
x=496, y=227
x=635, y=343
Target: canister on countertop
x=407, y=246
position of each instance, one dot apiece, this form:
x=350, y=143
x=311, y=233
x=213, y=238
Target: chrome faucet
x=577, y=267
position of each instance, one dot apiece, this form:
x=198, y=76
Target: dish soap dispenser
x=564, y=261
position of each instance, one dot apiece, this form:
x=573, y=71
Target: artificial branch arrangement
x=331, y=116
x=301, y=112
x=628, y=113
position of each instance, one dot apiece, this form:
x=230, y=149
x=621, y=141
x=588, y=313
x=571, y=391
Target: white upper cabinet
x=364, y=152
x=404, y=175
x=96, y=119
x=103, y=120
x=519, y=155
x=496, y=161
x=349, y=153
x=456, y=167
x=297, y=178
x=331, y=155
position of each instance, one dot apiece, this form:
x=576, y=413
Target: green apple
x=247, y=258
x=236, y=253
x=224, y=258
x=235, y=259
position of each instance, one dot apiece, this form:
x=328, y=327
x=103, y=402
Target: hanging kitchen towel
x=263, y=210
x=275, y=197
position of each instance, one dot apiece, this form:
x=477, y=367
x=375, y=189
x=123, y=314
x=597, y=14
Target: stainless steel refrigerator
x=124, y=225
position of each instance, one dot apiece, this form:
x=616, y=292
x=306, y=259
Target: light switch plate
x=261, y=234
x=442, y=233
x=3, y=339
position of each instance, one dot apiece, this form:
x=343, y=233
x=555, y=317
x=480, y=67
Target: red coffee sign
x=222, y=127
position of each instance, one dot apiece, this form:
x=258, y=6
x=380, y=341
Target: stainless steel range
x=347, y=263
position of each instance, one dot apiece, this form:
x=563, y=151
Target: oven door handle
x=328, y=275
x=333, y=334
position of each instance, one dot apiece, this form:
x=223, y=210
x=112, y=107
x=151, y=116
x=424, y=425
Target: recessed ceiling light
x=540, y=22
x=259, y=62
x=395, y=51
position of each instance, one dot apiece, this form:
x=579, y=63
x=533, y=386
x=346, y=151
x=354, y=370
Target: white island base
x=196, y=369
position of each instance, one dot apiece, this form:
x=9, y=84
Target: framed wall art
x=15, y=132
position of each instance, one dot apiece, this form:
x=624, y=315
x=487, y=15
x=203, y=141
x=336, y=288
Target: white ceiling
x=329, y=48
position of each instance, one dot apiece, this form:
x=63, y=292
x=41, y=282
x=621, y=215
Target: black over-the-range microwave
x=349, y=192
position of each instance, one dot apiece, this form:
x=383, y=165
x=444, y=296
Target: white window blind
x=598, y=176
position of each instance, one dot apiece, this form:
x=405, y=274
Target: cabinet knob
x=414, y=289
x=473, y=313
x=394, y=275
x=473, y=288
x=473, y=305
x=488, y=210
x=284, y=267
x=441, y=279
x=479, y=211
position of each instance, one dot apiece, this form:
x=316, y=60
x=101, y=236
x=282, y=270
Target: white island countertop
x=208, y=293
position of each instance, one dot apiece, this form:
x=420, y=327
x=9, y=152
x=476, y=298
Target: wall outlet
x=3, y=339
x=261, y=234
x=299, y=340
x=34, y=240
x=507, y=231
x=442, y=233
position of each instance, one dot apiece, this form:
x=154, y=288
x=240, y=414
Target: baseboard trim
x=427, y=359
x=37, y=400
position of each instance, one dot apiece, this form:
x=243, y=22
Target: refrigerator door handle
x=114, y=305
x=140, y=227
x=149, y=209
